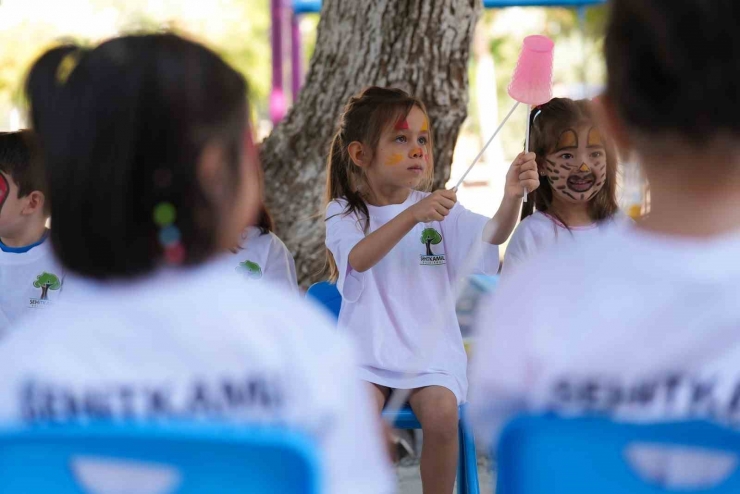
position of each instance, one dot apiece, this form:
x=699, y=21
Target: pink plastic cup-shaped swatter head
x=531, y=83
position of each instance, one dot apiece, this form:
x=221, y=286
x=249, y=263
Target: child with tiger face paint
x=577, y=167
x=576, y=170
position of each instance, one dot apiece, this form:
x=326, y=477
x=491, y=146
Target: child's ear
x=35, y=202
x=357, y=154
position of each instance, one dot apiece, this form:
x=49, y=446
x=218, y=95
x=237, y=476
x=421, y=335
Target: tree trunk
x=420, y=46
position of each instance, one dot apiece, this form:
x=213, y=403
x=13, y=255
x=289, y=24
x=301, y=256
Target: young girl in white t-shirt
x=151, y=179
x=578, y=179
x=261, y=256
x=396, y=253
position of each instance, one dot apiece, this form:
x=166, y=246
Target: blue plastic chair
x=189, y=459
x=327, y=295
x=547, y=454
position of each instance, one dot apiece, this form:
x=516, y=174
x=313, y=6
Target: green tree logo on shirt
x=47, y=281
x=252, y=269
x=430, y=237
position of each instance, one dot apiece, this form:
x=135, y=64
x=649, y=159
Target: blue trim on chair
x=226, y=459
x=314, y=6
x=467, y=462
x=404, y=419
x=542, y=454
x=326, y=294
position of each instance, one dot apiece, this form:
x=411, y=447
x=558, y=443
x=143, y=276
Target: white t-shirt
x=541, y=231
x=635, y=325
x=263, y=257
x=197, y=344
x=402, y=310
x=29, y=282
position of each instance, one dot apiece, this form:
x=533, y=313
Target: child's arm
x=370, y=250
x=522, y=174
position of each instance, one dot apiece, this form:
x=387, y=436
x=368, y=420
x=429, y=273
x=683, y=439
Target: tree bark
x=421, y=46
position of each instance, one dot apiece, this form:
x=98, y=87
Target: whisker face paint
x=577, y=167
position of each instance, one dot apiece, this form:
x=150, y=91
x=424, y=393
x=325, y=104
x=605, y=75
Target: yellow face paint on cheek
x=394, y=159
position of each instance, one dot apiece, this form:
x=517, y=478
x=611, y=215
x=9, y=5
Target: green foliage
x=238, y=30
x=48, y=280
x=430, y=236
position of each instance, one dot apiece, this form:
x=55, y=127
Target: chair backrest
x=546, y=454
x=144, y=459
x=326, y=294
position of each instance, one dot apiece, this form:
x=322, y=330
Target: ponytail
x=340, y=184
x=45, y=82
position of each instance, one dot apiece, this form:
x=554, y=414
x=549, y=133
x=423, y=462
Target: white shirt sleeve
x=502, y=370
x=516, y=251
x=280, y=268
x=343, y=232
x=468, y=252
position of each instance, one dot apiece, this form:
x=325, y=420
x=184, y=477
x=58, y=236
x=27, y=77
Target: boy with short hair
x=30, y=277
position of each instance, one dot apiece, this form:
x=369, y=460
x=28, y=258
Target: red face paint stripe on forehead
x=4, y=189
x=402, y=124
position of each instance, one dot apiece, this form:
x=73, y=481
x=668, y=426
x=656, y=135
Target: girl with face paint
x=396, y=253
x=577, y=167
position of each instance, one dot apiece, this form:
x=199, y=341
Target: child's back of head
x=673, y=67
x=672, y=96
x=640, y=323
x=144, y=142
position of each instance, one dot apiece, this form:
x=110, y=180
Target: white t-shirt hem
x=399, y=380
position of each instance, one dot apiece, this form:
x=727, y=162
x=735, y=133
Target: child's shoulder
x=255, y=235
x=531, y=228
x=536, y=221
x=337, y=206
x=620, y=218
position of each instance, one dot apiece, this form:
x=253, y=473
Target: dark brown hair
x=264, y=221
x=364, y=118
x=547, y=122
x=673, y=66
x=19, y=161
x=124, y=133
